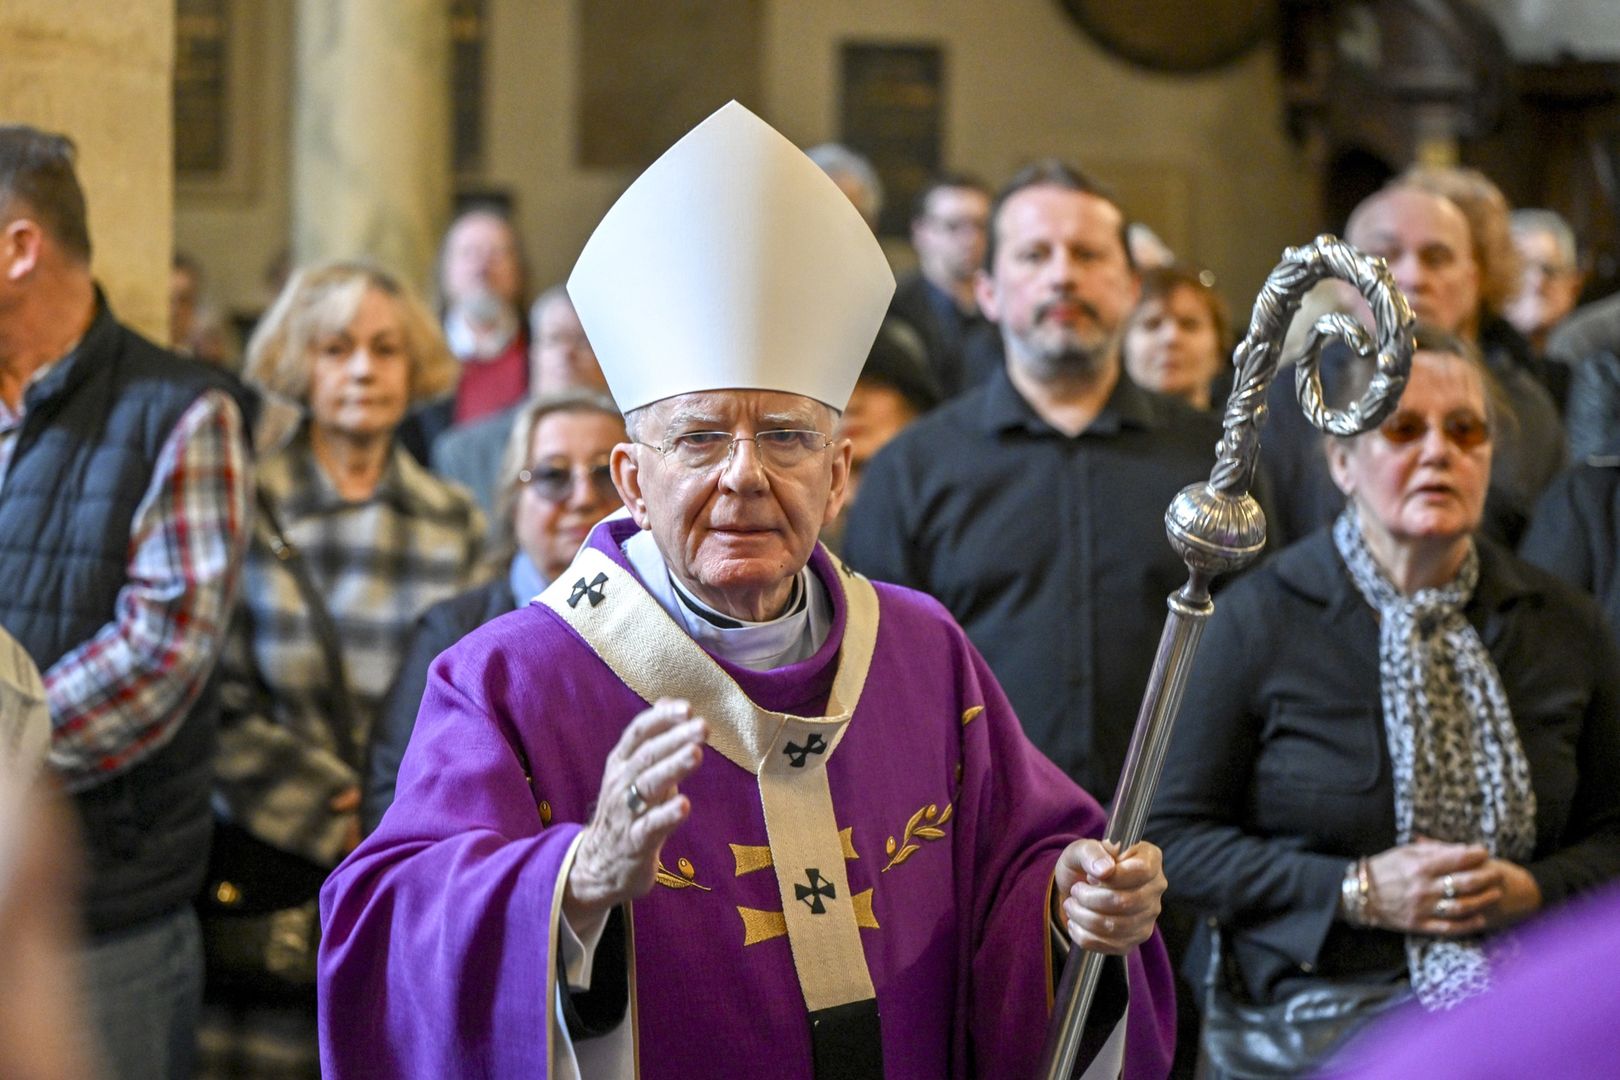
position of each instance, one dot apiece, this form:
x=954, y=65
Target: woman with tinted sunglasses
x=555, y=485
x=1402, y=740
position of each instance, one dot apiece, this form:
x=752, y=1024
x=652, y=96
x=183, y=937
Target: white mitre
x=732, y=262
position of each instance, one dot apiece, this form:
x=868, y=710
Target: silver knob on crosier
x=1216, y=526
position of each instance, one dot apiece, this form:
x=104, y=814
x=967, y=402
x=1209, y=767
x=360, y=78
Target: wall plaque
x=649, y=72
x=202, y=87
x=468, y=23
x=891, y=111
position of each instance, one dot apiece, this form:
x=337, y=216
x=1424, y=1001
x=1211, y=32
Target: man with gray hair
x=560, y=358
x=855, y=177
x=1425, y=239
x=1550, y=275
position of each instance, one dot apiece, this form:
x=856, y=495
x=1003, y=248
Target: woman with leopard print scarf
x=1402, y=739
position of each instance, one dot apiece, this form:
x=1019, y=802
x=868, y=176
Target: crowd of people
x=235, y=589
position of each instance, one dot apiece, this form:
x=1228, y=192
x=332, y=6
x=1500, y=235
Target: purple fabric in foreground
x=1553, y=1011
x=434, y=955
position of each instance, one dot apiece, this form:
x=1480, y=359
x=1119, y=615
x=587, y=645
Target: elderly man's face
x=736, y=533
x=1425, y=240
x=1549, y=284
x=481, y=255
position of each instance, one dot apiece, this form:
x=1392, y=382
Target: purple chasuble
x=438, y=932
x=1553, y=1010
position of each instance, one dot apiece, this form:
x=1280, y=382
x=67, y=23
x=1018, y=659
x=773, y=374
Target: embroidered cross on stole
x=788, y=754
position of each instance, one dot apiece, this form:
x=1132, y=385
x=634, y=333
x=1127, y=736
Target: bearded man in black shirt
x=1033, y=506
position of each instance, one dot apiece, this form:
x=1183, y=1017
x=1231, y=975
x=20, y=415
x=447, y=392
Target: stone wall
x=101, y=73
x=1203, y=159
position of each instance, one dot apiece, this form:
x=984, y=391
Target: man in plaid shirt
x=123, y=517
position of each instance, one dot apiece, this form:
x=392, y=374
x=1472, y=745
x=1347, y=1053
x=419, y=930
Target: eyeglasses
x=958, y=224
x=1464, y=430
x=555, y=482
x=782, y=448
x=1546, y=269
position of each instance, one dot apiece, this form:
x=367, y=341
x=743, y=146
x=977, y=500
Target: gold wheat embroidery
x=927, y=824
x=683, y=880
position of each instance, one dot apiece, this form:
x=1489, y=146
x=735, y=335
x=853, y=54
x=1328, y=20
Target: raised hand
x=638, y=807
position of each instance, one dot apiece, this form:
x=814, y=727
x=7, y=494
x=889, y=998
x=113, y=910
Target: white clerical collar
x=797, y=602
x=758, y=646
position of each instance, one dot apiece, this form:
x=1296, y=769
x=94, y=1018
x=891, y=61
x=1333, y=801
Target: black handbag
x=1294, y=1035
x=247, y=876
x=258, y=901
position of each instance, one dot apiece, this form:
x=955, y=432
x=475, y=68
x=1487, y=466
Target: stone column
x=371, y=133
x=103, y=74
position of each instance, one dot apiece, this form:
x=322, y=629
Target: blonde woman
x=353, y=542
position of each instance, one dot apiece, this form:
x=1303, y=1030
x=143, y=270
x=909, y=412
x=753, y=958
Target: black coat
x=1576, y=532
x=962, y=351
x=85, y=455
x=440, y=627
x=1594, y=406
x=1278, y=772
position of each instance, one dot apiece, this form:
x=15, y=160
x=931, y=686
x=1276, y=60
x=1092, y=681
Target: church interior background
x=249, y=132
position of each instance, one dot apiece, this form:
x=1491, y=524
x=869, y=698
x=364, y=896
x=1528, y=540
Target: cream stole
x=788, y=754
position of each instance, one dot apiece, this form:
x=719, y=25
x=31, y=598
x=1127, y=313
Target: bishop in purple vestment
x=712, y=805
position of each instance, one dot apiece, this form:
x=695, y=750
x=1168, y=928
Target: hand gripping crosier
x=1216, y=527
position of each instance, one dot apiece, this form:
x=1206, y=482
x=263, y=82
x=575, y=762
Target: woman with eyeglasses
x=1398, y=741
x=556, y=483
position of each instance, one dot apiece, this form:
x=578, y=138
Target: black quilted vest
x=83, y=460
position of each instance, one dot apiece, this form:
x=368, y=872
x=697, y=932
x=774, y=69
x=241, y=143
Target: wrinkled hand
x=1110, y=903
x=1409, y=892
x=618, y=851
x=1521, y=896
